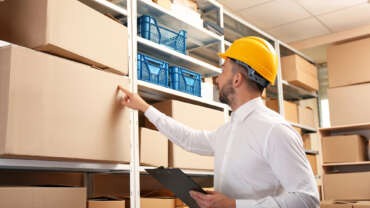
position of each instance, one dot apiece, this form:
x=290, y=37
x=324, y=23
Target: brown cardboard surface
x=312, y=159
x=76, y=32
x=347, y=186
x=306, y=117
x=164, y=3
x=153, y=148
x=40, y=178
x=157, y=203
x=299, y=72
x=349, y=105
x=4, y=19
x=348, y=63
x=187, y=3
x=291, y=109
x=334, y=204
x=343, y=148
x=362, y=204
x=118, y=185
x=42, y=197
x=206, y=119
x=307, y=141
x=106, y=204
x=55, y=108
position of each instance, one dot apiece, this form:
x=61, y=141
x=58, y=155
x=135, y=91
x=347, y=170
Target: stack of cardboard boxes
x=58, y=92
x=349, y=79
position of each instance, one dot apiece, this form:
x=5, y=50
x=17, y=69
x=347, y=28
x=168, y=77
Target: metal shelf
x=311, y=152
x=304, y=128
x=347, y=164
x=153, y=92
x=196, y=36
x=345, y=129
x=292, y=92
x=171, y=56
x=25, y=164
x=346, y=167
x=106, y=7
x=190, y=172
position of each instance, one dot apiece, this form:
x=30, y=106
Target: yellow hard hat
x=257, y=53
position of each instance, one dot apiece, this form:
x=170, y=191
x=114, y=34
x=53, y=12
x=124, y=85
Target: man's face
x=224, y=83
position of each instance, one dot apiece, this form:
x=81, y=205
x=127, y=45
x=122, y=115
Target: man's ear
x=237, y=79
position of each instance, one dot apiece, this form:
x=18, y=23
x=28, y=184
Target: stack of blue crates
x=158, y=72
x=148, y=28
x=152, y=70
x=184, y=80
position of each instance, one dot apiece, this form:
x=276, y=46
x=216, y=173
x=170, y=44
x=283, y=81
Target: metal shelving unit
x=197, y=36
x=305, y=129
x=190, y=172
x=202, y=46
x=153, y=92
x=24, y=164
x=361, y=129
x=171, y=56
x=107, y=7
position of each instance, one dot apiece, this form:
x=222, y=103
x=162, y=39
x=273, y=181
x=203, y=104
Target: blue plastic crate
x=184, y=80
x=152, y=70
x=149, y=29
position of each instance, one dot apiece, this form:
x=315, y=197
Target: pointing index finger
x=124, y=90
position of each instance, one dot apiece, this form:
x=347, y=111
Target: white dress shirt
x=259, y=157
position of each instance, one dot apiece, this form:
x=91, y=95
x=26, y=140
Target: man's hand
x=212, y=200
x=132, y=100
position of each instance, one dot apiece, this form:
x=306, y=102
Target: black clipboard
x=178, y=182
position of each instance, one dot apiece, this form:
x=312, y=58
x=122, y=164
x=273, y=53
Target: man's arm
x=189, y=139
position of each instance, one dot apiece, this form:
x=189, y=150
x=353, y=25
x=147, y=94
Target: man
x=259, y=157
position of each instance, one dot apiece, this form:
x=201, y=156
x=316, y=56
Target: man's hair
x=251, y=84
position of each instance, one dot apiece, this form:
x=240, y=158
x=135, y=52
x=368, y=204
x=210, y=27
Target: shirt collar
x=244, y=110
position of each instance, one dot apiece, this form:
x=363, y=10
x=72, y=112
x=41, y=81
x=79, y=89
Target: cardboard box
x=299, y=72
x=51, y=107
x=157, y=203
x=42, y=197
x=343, y=148
x=352, y=55
x=167, y=4
x=362, y=204
x=307, y=141
x=347, y=186
x=345, y=204
x=312, y=159
x=118, y=185
x=306, y=117
x=153, y=148
x=206, y=119
x=105, y=203
x=291, y=109
x=69, y=29
x=187, y=3
x=41, y=178
x=4, y=19
x=335, y=204
x=349, y=105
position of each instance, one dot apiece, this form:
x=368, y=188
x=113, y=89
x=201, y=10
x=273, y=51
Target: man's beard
x=227, y=93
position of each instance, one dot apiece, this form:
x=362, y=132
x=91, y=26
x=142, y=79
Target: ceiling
x=298, y=20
